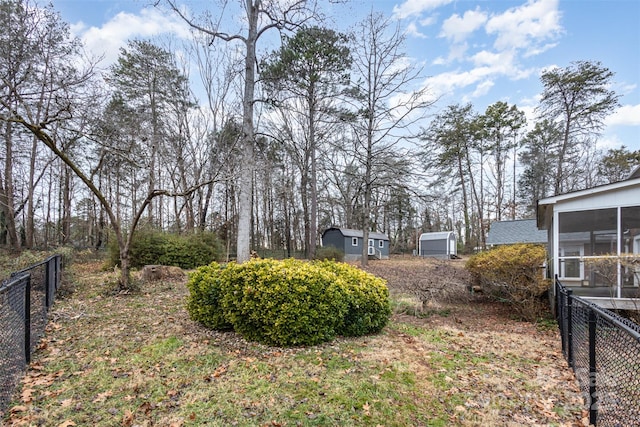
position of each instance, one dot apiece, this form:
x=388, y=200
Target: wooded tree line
x=328, y=129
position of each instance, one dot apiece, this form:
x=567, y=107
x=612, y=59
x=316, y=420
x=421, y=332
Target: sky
x=477, y=52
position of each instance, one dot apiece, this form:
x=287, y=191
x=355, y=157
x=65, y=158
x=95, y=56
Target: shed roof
x=518, y=231
x=349, y=232
x=437, y=235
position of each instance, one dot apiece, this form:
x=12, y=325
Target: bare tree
x=260, y=18
x=385, y=104
x=62, y=125
x=303, y=80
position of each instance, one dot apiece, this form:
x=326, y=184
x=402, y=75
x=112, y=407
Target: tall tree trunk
x=559, y=178
x=465, y=206
x=313, y=184
x=304, y=196
x=7, y=202
x=204, y=207
x=66, y=206
x=247, y=168
x=30, y=223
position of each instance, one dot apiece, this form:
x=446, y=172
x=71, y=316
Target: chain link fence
x=25, y=299
x=603, y=349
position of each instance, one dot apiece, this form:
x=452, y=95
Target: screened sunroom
x=594, y=239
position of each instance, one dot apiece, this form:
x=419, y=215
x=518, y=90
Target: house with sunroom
x=350, y=242
x=594, y=241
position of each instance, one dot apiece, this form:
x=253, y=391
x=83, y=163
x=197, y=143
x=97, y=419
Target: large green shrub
x=367, y=298
x=513, y=273
x=186, y=251
x=203, y=303
x=290, y=302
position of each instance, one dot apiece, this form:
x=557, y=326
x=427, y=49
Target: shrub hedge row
x=290, y=302
x=186, y=251
x=513, y=273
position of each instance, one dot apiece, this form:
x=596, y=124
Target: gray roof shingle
x=518, y=231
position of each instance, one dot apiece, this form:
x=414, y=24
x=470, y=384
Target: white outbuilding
x=441, y=244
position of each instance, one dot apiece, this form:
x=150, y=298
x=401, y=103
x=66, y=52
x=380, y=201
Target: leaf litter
x=138, y=360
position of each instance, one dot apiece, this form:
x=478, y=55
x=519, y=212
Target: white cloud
x=627, y=115
x=502, y=60
x=482, y=88
x=412, y=29
x=429, y=20
x=625, y=88
x=107, y=39
x=446, y=84
x=609, y=141
x=534, y=51
x=527, y=26
x=501, y=63
x=458, y=28
x=530, y=114
x=416, y=7
x=457, y=52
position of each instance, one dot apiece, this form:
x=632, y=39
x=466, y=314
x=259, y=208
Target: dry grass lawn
x=138, y=360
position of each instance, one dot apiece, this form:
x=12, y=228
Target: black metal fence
x=603, y=349
x=25, y=299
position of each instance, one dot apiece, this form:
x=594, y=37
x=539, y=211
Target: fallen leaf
x=66, y=403
x=366, y=408
x=101, y=397
x=27, y=395
x=67, y=423
x=127, y=419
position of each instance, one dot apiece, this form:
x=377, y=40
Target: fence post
x=47, y=284
x=58, y=270
x=27, y=320
x=570, y=328
x=593, y=397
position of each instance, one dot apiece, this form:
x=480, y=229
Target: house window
x=630, y=244
x=381, y=244
x=370, y=243
x=354, y=241
x=571, y=266
x=588, y=246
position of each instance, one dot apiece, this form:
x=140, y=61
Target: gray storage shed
x=350, y=242
x=440, y=244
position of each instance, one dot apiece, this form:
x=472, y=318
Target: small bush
x=329, y=253
x=513, y=273
x=290, y=302
x=186, y=251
